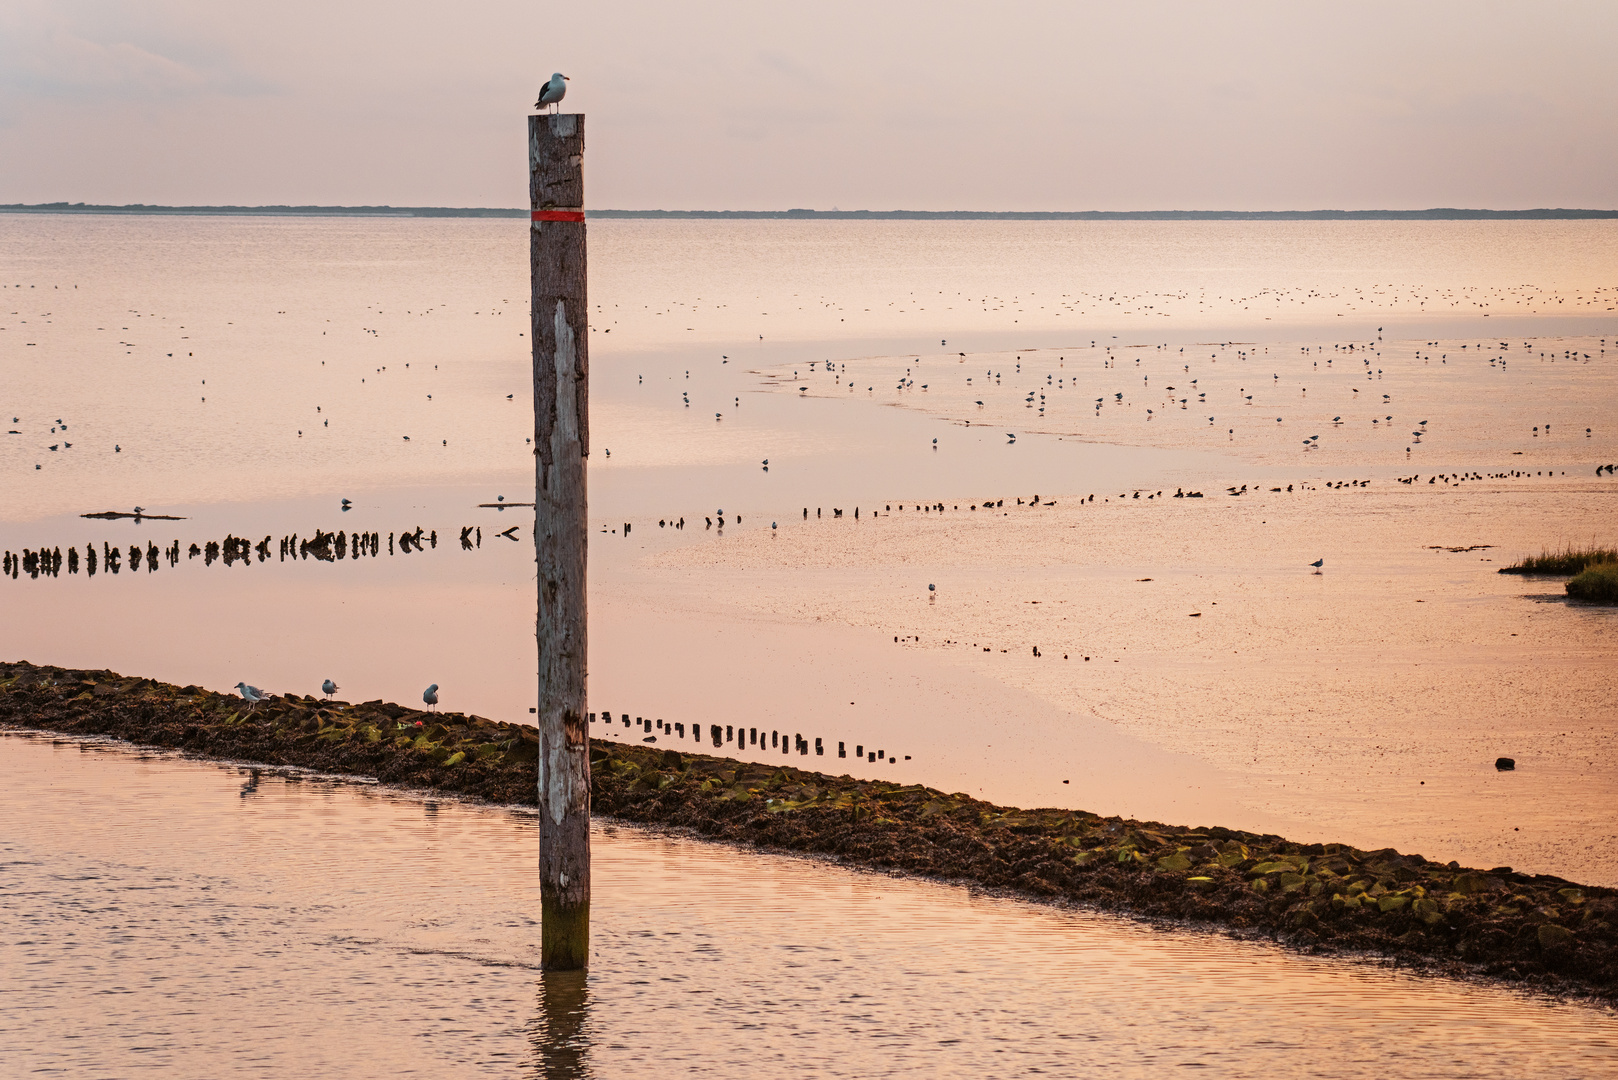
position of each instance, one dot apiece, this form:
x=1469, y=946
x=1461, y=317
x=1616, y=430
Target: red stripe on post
x=558, y=215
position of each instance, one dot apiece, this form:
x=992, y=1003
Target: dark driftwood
x=561, y=443
x=113, y=515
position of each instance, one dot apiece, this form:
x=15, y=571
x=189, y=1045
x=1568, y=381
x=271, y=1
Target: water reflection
x=560, y=1043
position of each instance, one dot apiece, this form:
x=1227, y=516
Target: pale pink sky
x=926, y=104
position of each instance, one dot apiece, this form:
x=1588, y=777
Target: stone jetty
x=1529, y=929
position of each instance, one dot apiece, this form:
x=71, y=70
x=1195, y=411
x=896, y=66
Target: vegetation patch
x=1597, y=584
x=1570, y=560
x=1532, y=929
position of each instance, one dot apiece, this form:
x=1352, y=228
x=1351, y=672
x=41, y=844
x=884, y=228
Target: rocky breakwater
x=450, y=752
x=1537, y=930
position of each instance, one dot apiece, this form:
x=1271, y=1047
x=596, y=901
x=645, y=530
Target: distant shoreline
x=1435, y=214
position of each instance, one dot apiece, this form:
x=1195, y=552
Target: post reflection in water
x=561, y=1045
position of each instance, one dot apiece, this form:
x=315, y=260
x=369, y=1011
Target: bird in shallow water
x=430, y=695
x=329, y=688
x=553, y=91
x=252, y=694
x=1317, y=564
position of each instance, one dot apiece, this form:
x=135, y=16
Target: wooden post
x=561, y=443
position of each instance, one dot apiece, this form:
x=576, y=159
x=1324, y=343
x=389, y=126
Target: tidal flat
x=1316, y=654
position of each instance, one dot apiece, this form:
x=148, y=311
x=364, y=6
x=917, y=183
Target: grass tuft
x=1570, y=560
x=1597, y=583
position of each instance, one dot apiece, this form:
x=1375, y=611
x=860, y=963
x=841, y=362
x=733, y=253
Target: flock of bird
x=1145, y=383
x=254, y=696
x=40, y=436
x=1064, y=381
x=1053, y=310
x=1062, y=396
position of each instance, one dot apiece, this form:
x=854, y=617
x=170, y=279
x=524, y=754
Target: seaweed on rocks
x=1530, y=929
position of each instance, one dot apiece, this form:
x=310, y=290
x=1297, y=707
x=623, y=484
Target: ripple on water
x=175, y=916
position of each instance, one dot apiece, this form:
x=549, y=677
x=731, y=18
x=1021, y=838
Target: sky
x=854, y=104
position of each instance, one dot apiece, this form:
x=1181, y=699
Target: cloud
x=43, y=55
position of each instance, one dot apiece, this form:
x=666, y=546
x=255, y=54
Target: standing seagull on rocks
x=430, y=695
x=553, y=91
x=329, y=688
x=252, y=694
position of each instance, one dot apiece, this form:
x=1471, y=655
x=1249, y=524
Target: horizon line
x=310, y=210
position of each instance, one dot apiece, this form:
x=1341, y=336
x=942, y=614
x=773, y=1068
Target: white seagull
x=329, y=688
x=430, y=695
x=553, y=91
x=252, y=694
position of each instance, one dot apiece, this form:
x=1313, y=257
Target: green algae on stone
x=1550, y=935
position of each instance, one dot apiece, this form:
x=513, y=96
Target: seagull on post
x=553, y=91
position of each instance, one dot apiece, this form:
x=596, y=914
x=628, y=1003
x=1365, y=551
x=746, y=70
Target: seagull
x=252, y=694
x=430, y=695
x=1317, y=564
x=553, y=91
x=328, y=688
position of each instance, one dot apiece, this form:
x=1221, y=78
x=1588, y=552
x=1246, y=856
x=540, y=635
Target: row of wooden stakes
x=742, y=738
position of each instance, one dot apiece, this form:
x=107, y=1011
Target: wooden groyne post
x=561, y=342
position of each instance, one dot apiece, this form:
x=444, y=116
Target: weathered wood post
x=561, y=444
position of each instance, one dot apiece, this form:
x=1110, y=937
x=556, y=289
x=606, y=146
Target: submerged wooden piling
x=560, y=333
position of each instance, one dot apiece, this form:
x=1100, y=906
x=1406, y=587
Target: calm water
x=178, y=918
x=248, y=375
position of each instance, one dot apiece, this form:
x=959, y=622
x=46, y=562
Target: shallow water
x=187, y=918
x=1364, y=704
